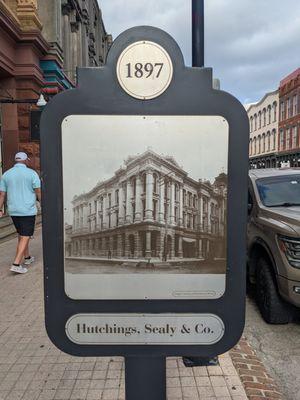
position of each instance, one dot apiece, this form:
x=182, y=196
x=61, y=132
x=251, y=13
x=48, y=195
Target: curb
x=257, y=382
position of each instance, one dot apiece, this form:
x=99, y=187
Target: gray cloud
x=251, y=44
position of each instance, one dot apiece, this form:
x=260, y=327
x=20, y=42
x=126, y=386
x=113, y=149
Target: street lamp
x=41, y=101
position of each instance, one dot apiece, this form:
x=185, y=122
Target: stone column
x=148, y=244
x=149, y=196
x=74, y=219
x=138, y=200
x=129, y=216
x=180, y=251
x=161, y=218
x=172, y=204
x=121, y=206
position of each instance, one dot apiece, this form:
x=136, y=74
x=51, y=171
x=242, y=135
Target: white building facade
x=264, y=122
x=151, y=208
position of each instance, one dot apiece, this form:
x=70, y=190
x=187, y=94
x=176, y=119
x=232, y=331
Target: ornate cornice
x=28, y=15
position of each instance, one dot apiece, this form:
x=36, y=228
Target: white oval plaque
x=148, y=329
x=144, y=70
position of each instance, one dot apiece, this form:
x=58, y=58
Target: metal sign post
x=144, y=171
x=198, y=33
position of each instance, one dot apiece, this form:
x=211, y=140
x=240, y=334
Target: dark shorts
x=24, y=225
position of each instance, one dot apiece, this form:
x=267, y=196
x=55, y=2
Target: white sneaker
x=29, y=261
x=19, y=270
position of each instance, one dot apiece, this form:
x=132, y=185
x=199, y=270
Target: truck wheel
x=274, y=310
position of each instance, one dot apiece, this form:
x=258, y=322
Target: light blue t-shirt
x=19, y=184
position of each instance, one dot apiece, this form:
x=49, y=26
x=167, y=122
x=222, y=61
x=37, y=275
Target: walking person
x=21, y=187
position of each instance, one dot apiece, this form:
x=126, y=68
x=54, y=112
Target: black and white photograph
x=145, y=197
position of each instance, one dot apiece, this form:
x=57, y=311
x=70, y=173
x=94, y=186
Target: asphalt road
x=278, y=346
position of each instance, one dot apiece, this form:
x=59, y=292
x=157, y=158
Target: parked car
x=274, y=242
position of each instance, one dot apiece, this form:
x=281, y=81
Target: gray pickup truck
x=274, y=242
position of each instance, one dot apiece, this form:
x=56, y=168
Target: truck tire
x=273, y=308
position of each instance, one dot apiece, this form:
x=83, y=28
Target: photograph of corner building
x=150, y=216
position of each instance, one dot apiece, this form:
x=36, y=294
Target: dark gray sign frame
x=99, y=93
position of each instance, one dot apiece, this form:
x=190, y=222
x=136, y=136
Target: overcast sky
x=251, y=44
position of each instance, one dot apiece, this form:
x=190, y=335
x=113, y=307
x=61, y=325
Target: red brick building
x=289, y=120
x=21, y=78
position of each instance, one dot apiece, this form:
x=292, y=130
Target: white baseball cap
x=21, y=156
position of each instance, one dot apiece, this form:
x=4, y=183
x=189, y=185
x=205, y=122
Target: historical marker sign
x=145, y=192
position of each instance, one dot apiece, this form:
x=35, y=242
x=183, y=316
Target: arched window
x=264, y=117
x=259, y=144
x=259, y=119
x=275, y=111
x=254, y=145
x=255, y=122
x=263, y=150
x=269, y=114
x=281, y=144
x=274, y=139
x=250, y=147
x=268, y=141
x=287, y=138
x=251, y=124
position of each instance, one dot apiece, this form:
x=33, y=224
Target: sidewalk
x=31, y=368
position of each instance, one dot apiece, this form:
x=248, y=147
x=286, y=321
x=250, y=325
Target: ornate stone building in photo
x=150, y=208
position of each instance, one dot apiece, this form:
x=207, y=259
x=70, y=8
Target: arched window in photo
x=155, y=183
x=133, y=185
x=176, y=192
x=144, y=180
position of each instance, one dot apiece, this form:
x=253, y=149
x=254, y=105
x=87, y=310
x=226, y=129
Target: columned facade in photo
x=150, y=208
